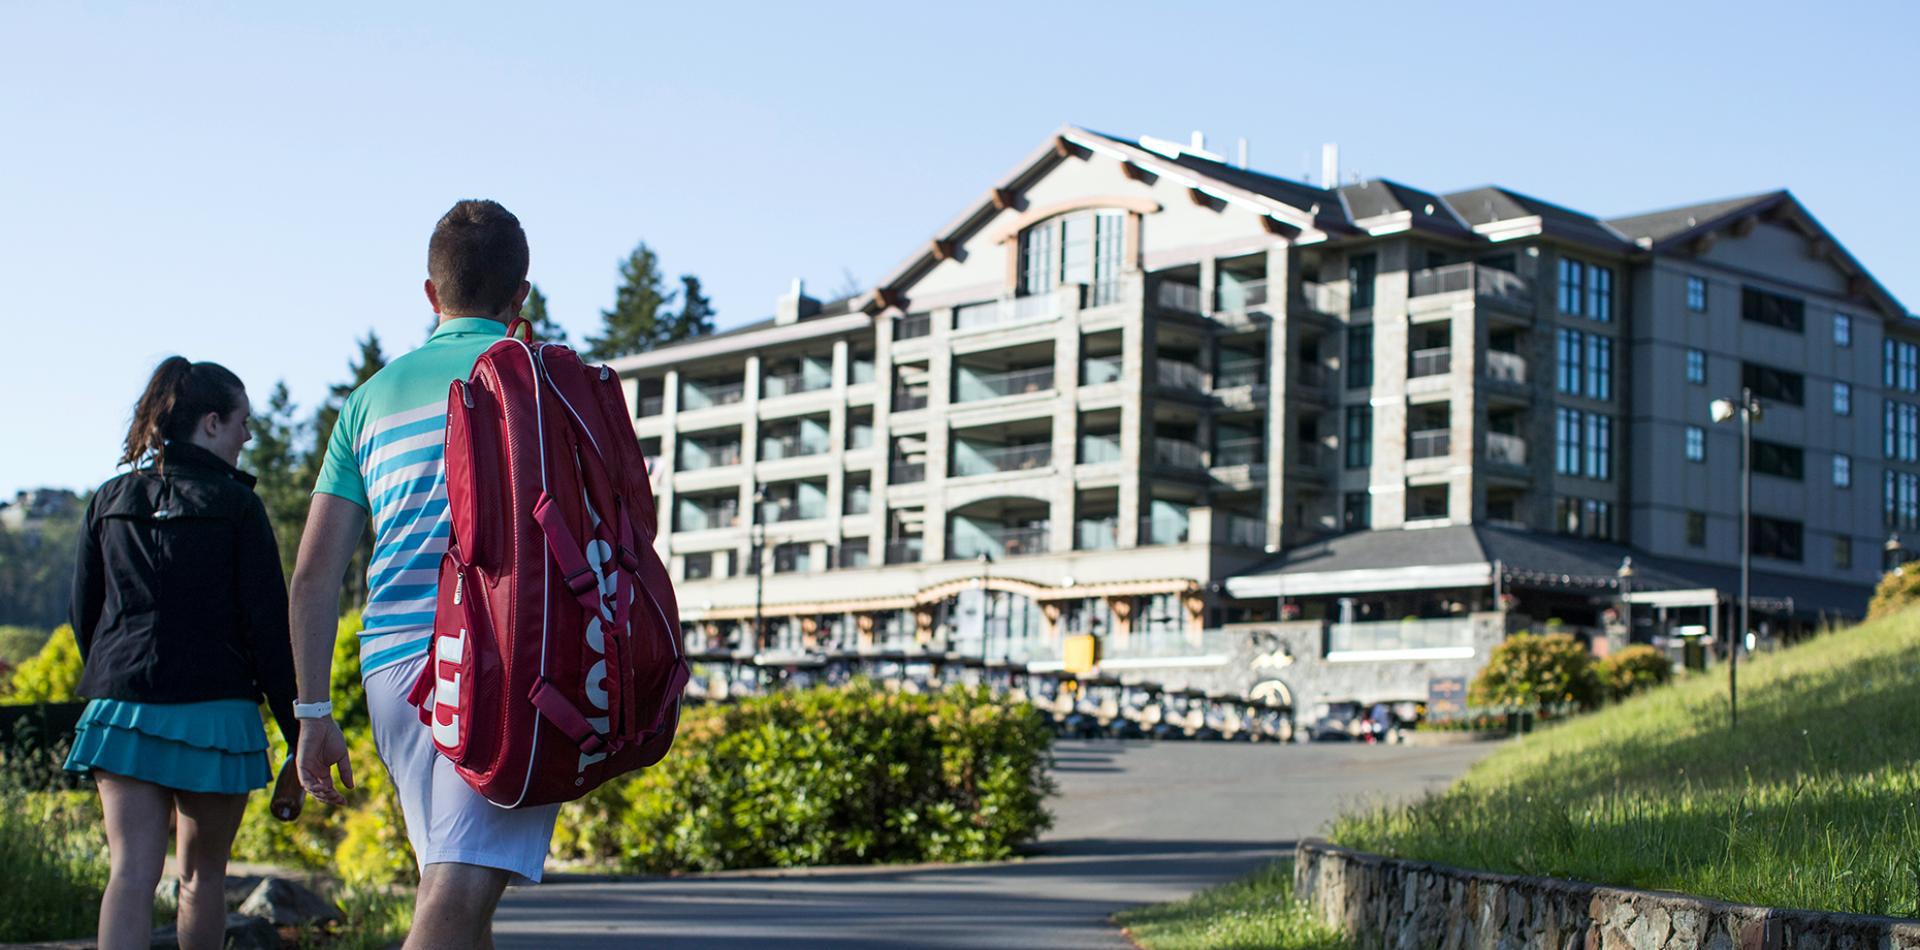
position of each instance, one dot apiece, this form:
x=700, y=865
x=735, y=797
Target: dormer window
x=1084, y=247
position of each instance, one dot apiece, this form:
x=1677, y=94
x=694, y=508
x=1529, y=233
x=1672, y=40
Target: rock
x=244, y=932
x=282, y=902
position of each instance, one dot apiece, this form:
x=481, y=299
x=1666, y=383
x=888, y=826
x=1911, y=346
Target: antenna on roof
x=1330, y=165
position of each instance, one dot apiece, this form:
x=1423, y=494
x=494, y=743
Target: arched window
x=1082, y=247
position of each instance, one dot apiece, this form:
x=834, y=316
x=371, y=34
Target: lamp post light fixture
x=1748, y=409
x=1895, y=561
x=1625, y=574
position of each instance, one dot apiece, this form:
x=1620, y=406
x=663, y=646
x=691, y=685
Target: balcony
x=1098, y=447
x=1437, y=361
x=1429, y=443
x=1172, y=295
x=912, y=326
x=1098, y=370
x=1307, y=455
x=777, y=512
x=1310, y=375
x=651, y=406
x=904, y=551
x=1243, y=372
x=1246, y=531
x=998, y=541
x=906, y=473
x=1504, y=449
x=697, y=395
x=969, y=459
x=775, y=448
x=1096, y=534
x=1323, y=299
x=1177, y=453
x=1487, y=283
x=1165, y=527
x=1027, y=309
x=697, y=456
x=1240, y=451
x=1241, y=297
x=1504, y=367
x=775, y=385
x=972, y=387
x=907, y=400
x=1178, y=374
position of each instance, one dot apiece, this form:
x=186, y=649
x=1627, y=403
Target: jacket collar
x=465, y=326
x=192, y=456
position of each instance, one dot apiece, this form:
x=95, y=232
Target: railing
x=1095, y=370
x=1232, y=373
x=1006, y=542
x=698, y=456
x=1437, y=361
x=788, y=384
x=1320, y=298
x=1177, y=296
x=1506, y=449
x=1504, y=367
x=1010, y=310
x=851, y=555
x=903, y=551
x=1310, y=374
x=858, y=503
x=906, y=473
x=709, y=516
x=859, y=437
x=1006, y=458
x=1441, y=633
x=1099, y=447
x=1102, y=534
x=1246, y=531
x=907, y=400
x=774, y=512
x=776, y=447
x=1491, y=282
x=1429, y=443
x=912, y=326
x=1164, y=531
x=1176, y=453
x=1160, y=644
x=651, y=406
x=859, y=372
x=1178, y=374
x=1239, y=451
x=706, y=396
x=1310, y=455
x=1242, y=296
x=1012, y=382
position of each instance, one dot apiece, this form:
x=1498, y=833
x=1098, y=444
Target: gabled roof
x=1660, y=227
x=1492, y=210
x=1387, y=201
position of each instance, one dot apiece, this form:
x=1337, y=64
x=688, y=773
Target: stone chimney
x=795, y=306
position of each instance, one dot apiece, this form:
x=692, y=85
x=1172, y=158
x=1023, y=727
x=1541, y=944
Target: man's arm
x=334, y=527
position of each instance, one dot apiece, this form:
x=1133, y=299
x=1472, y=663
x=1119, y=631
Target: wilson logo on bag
x=556, y=661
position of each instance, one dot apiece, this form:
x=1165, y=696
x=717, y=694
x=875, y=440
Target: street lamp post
x=1626, y=594
x=1748, y=410
x=1894, y=558
x=757, y=535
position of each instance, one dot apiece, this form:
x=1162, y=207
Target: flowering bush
x=1527, y=672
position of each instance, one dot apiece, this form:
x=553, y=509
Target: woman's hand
x=287, y=793
x=322, y=747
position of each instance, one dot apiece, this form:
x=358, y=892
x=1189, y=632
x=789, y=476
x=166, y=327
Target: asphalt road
x=1136, y=823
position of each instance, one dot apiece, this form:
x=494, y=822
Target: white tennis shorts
x=447, y=821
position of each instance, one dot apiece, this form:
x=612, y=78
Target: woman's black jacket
x=178, y=595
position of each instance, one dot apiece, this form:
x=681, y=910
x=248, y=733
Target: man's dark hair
x=477, y=258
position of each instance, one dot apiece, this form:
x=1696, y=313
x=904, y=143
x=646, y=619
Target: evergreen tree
x=696, y=312
x=534, y=311
x=636, y=321
x=278, y=459
x=371, y=361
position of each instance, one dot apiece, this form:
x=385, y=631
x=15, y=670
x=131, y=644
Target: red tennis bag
x=556, y=661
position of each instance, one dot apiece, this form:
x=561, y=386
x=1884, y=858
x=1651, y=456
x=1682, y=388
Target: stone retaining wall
x=1413, y=905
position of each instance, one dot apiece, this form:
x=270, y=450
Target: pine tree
x=278, y=458
x=534, y=311
x=634, y=324
x=696, y=312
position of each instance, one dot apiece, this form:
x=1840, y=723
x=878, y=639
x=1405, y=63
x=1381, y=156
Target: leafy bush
x=1633, y=669
x=1898, y=589
x=18, y=644
x=1527, y=671
x=52, y=674
x=53, y=864
x=826, y=776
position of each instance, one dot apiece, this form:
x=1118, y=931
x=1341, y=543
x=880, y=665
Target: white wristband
x=319, y=710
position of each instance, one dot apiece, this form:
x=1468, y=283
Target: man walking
x=386, y=461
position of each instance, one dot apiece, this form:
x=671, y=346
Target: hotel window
x=1599, y=446
x=1599, y=366
x=1775, y=384
x=794, y=557
x=1902, y=500
x=1697, y=294
x=1843, y=553
x=1583, y=517
x=1079, y=248
x=699, y=566
x=1356, y=511
x=1777, y=538
x=1586, y=290
x=1900, y=365
x=1359, y=441
x=1842, y=471
x=1842, y=330
x=1359, y=357
x=1697, y=529
x=1774, y=310
x=1900, y=430
x=1696, y=449
x=1696, y=367
x=1780, y=461
x=1573, y=278
x=1361, y=270
x=1843, y=399
x=1567, y=432
x=1571, y=359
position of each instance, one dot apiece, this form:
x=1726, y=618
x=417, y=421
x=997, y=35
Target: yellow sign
x=1081, y=654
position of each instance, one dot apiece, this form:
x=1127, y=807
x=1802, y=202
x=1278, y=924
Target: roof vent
x=1330, y=165
x=794, y=305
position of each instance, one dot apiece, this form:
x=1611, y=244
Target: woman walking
x=180, y=611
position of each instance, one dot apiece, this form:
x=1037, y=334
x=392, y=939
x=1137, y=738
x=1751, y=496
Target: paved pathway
x=1136, y=823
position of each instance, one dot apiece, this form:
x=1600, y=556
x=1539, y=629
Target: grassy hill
x=1811, y=803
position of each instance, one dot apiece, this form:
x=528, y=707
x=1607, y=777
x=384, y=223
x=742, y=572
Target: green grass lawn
x=1811, y=804
x=1258, y=913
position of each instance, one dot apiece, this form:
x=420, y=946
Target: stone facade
x=1384, y=902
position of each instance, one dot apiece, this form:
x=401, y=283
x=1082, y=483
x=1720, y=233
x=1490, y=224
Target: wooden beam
x=1204, y=200
x=1064, y=148
x=1819, y=248
x=1703, y=243
x=1860, y=286
x=1745, y=226
x=940, y=249
x=1002, y=198
x=886, y=297
x=1275, y=226
x=1136, y=172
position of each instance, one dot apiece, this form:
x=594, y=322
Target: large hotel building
x=1141, y=392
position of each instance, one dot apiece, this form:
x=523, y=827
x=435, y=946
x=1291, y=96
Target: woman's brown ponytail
x=178, y=396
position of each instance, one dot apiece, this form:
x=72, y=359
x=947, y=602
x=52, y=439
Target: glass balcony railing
x=906, y=473
x=904, y=551
x=1176, y=453
x=1172, y=295
x=774, y=448
x=1248, y=450
x=1246, y=531
x=1243, y=296
x=708, y=395
x=1098, y=448
x=1000, y=541
x=1490, y=283
x=1429, y=443
x=1437, y=361
x=695, y=456
x=1390, y=635
x=1178, y=374
x=1239, y=372
x=1096, y=370
x=1504, y=449
x=651, y=406
x=1096, y=534
x=776, y=385
x=912, y=326
x=1504, y=367
x=983, y=460
x=907, y=400
x=977, y=386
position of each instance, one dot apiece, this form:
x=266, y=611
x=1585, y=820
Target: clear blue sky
x=255, y=183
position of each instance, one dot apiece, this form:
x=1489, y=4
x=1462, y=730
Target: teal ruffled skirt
x=215, y=746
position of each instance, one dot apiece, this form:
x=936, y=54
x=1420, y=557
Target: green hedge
x=826, y=776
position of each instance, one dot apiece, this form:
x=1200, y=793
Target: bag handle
x=521, y=323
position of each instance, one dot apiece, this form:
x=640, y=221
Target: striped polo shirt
x=388, y=455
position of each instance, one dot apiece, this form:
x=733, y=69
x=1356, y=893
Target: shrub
x=52, y=674
x=1633, y=669
x=1527, y=672
x=1898, y=589
x=53, y=864
x=18, y=644
x=826, y=776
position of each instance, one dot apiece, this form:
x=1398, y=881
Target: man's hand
x=287, y=796
x=322, y=747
